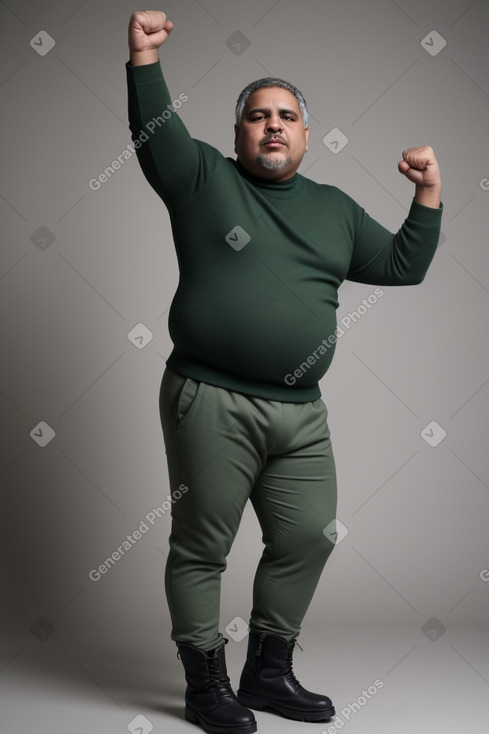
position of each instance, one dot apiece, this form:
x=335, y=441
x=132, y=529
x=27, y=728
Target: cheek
x=249, y=143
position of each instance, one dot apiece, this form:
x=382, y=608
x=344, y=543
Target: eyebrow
x=266, y=111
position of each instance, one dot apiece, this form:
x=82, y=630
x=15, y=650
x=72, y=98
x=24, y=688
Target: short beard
x=271, y=163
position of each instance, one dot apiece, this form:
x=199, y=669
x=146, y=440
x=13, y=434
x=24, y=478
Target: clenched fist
x=420, y=166
x=148, y=30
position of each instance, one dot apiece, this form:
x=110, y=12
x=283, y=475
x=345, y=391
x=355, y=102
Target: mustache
x=267, y=139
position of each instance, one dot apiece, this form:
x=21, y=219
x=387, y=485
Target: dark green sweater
x=260, y=262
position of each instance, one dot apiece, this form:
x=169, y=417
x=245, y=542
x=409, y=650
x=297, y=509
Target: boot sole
x=213, y=729
x=260, y=704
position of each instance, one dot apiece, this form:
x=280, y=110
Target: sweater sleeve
x=174, y=164
x=380, y=257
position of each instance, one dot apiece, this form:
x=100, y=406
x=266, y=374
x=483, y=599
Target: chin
x=273, y=163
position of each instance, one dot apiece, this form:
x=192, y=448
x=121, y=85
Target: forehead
x=271, y=97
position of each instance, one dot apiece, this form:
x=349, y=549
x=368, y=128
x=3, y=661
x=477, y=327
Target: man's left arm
x=380, y=257
x=420, y=166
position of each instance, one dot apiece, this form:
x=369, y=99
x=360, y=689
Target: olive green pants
x=224, y=448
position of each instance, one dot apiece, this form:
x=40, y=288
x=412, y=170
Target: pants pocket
x=177, y=395
x=186, y=398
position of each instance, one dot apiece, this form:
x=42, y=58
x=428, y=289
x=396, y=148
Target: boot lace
x=289, y=673
x=219, y=685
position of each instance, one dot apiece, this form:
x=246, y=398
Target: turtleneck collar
x=292, y=184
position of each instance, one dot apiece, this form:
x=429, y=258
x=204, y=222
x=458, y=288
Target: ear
x=236, y=131
x=306, y=131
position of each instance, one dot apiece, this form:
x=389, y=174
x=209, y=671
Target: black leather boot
x=210, y=701
x=268, y=682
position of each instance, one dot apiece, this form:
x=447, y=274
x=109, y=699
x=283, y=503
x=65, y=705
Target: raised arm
x=382, y=258
x=170, y=158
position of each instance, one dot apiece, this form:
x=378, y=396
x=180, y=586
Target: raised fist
x=148, y=29
x=420, y=166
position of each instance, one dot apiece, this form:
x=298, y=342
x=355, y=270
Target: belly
x=284, y=340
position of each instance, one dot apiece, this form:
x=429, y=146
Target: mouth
x=274, y=144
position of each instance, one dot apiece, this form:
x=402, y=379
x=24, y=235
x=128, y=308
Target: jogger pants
x=224, y=448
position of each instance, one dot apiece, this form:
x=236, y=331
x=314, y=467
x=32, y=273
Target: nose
x=274, y=124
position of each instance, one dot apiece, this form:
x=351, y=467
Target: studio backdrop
x=88, y=272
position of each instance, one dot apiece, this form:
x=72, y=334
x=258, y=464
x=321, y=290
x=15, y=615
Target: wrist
x=428, y=195
x=148, y=56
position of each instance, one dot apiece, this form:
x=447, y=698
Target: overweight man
x=262, y=251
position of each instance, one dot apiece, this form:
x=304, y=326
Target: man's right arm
x=148, y=30
x=169, y=157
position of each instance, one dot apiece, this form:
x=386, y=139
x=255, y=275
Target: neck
x=266, y=176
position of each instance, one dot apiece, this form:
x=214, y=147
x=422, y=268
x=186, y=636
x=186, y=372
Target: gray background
x=404, y=593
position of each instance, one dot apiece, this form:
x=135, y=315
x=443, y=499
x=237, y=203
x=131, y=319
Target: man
x=262, y=251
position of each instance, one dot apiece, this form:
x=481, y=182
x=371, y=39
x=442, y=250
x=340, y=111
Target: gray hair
x=270, y=81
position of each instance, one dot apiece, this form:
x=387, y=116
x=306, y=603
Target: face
x=271, y=140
